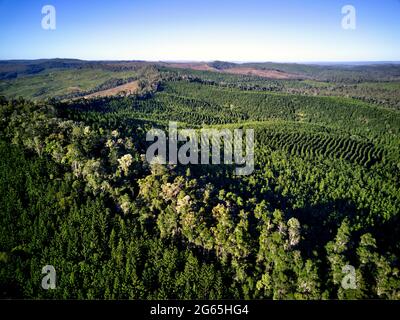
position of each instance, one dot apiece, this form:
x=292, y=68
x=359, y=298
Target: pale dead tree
x=294, y=231
x=125, y=162
x=86, y=130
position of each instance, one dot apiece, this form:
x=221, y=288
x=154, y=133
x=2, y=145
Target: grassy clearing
x=54, y=83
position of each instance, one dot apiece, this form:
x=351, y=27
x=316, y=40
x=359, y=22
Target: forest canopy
x=77, y=193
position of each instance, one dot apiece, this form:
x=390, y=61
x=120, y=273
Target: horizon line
x=215, y=60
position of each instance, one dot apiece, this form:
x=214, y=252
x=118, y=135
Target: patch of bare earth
x=124, y=89
x=193, y=66
x=73, y=89
x=272, y=74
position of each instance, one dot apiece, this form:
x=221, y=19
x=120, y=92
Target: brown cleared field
x=240, y=70
x=127, y=88
x=272, y=74
x=193, y=66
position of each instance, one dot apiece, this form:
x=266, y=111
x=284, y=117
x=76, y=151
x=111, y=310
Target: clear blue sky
x=246, y=30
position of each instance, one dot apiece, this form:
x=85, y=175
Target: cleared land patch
x=125, y=89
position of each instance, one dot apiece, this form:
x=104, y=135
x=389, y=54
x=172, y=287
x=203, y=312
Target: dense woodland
x=76, y=192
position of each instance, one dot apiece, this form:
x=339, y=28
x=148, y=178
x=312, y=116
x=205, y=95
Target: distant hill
x=11, y=69
x=324, y=72
x=347, y=72
x=73, y=78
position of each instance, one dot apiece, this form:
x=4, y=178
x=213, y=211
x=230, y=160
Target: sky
x=201, y=30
